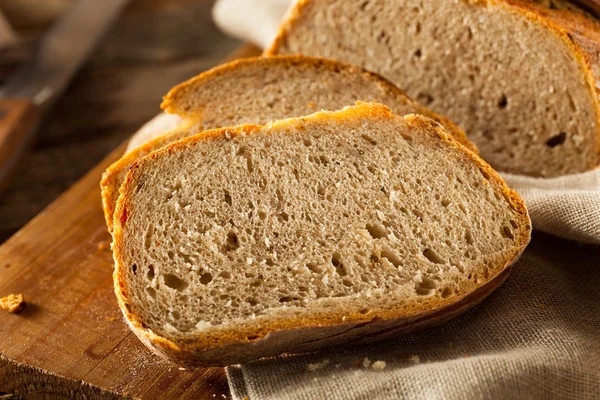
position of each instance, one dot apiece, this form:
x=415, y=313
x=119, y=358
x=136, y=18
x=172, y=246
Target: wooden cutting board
x=71, y=340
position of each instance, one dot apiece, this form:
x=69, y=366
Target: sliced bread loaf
x=336, y=228
x=260, y=90
x=520, y=77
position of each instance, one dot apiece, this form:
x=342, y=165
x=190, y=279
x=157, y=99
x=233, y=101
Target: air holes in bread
x=174, y=282
x=151, y=292
x=314, y=268
x=556, y=140
x=433, y=256
x=507, y=233
x=205, y=278
x=336, y=261
x=134, y=269
x=150, y=273
x=232, y=242
x=370, y=139
x=225, y=274
x=469, y=236
x=391, y=257
x=418, y=53
x=148, y=236
x=228, y=198
x=377, y=230
x=503, y=102
x=447, y=292
x=252, y=301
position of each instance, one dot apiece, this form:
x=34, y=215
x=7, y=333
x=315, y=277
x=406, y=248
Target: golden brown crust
x=576, y=28
x=214, y=342
x=114, y=175
x=171, y=106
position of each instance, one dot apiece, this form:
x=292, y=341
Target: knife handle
x=18, y=120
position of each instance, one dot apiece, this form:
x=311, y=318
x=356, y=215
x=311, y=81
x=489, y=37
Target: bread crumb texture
x=523, y=75
x=336, y=218
x=13, y=303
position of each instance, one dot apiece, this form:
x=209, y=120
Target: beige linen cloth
x=536, y=337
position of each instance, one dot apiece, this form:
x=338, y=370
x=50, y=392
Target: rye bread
x=337, y=228
x=259, y=90
x=519, y=77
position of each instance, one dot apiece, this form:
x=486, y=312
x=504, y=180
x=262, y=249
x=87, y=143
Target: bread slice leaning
x=336, y=228
x=260, y=90
x=520, y=77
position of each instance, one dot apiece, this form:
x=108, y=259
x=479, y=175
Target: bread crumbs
x=319, y=365
x=379, y=365
x=13, y=303
x=366, y=362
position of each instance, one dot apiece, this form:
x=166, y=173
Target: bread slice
x=520, y=77
x=261, y=90
x=340, y=227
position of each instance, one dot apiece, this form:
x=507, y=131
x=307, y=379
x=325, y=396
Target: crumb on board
x=319, y=365
x=357, y=363
x=542, y=306
x=379, y=365
x=182, y=369
x=415, y=359
x=103, y=245
x=13, y=303
x=366, y=362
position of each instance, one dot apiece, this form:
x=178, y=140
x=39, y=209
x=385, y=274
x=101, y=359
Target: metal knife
x=32, y=90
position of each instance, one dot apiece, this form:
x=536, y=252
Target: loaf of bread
x=519, y=77
x=259, y=90
x=336, y=228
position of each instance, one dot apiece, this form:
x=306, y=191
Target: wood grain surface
x=71, y=341
x=18, y=120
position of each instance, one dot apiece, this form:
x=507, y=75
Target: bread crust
x=169, y=103
x=271, y=337
x=577, y=29
x=114, y=175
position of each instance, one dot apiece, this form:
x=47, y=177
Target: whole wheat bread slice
x=260, y=90
x=519, y=77
x=336, y=228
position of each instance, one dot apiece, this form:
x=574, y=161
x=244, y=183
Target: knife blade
x=33, y=89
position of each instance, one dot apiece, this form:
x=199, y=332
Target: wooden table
x=155, y=45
